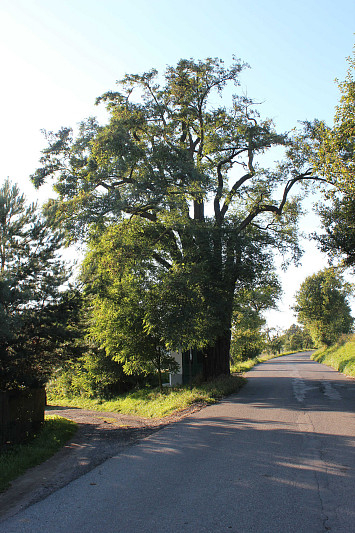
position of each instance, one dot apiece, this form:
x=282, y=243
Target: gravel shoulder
x=100, y=435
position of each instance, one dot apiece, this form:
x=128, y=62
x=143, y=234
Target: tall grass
x=151, y=403
x=341, y=356
x=18, y=458
x=240, y=367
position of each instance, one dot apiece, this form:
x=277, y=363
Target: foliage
x=247, y=341
x=340, y=356
x=167, y=152
x=93, y=375
x=333, y=156
x=37, y=318
x=119, y=304
x=275, y=340
x=336, y=146
x=248, y=337
x=241, y=367
x=323, y=308
x=296, y=339
x=152, y=403
x=338, y=222
x=19, y=458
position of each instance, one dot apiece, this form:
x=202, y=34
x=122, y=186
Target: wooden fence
x=21, y=414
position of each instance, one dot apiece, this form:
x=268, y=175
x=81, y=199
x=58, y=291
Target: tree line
x=180, y=219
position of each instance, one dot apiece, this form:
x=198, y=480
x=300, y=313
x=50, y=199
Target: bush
x=94, y=376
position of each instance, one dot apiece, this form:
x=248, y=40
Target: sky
x=57, y=57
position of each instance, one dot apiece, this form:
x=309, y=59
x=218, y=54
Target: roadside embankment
x=340, y=356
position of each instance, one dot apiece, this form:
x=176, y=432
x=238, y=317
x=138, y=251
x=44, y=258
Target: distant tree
x=168, y=151
x=275, y=340
x=322, y=306
x=34, y=313
x=248, y=335
x=296, y=338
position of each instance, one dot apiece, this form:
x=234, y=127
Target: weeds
x=341, y=356
x=18, y=458
x=151, y=403
x=240, y=367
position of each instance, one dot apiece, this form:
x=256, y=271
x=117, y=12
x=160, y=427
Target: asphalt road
x=277, y=457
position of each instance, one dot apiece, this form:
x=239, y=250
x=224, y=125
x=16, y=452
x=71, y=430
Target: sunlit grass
x=15, y=460
x=151, y=403
x=240, y=367
x=341, y=356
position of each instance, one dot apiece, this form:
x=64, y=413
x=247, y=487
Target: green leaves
x=31, y=306
x=174, y=199
x=248, y=338
x=333, y=156
x=323, y=308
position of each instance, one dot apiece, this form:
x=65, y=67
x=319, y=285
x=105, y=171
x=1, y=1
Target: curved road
x=277, y=457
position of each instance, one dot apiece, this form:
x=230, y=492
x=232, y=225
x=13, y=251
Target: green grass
x=341, y=356
x=240, y=367
x=17, y=459
x=151, y=403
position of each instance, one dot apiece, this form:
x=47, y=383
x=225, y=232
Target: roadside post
x=190, y=368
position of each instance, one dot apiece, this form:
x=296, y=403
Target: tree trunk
x=216, y=358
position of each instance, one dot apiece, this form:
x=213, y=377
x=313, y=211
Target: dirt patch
x=100, y=436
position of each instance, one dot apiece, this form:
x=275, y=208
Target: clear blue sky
x=58, y=56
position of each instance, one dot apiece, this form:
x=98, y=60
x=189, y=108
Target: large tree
x=185, y=169
x=322, y=306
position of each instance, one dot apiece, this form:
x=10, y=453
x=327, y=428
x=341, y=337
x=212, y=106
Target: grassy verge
x=150, y=403
x=241, y=367
x=16, y=460
x=341, y=356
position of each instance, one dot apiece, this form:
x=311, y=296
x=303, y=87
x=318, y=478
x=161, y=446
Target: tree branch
x=161, y=261
x=217, y=208
x=141, y=212
x=307, y=175
x=233, y=191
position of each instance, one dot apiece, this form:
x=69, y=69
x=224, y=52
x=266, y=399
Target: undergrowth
x=15, y=460
x=151, y=403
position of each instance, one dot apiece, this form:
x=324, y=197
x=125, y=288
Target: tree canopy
x=181, y=182
x=333, y=157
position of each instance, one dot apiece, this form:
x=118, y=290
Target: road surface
x=277, y=457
